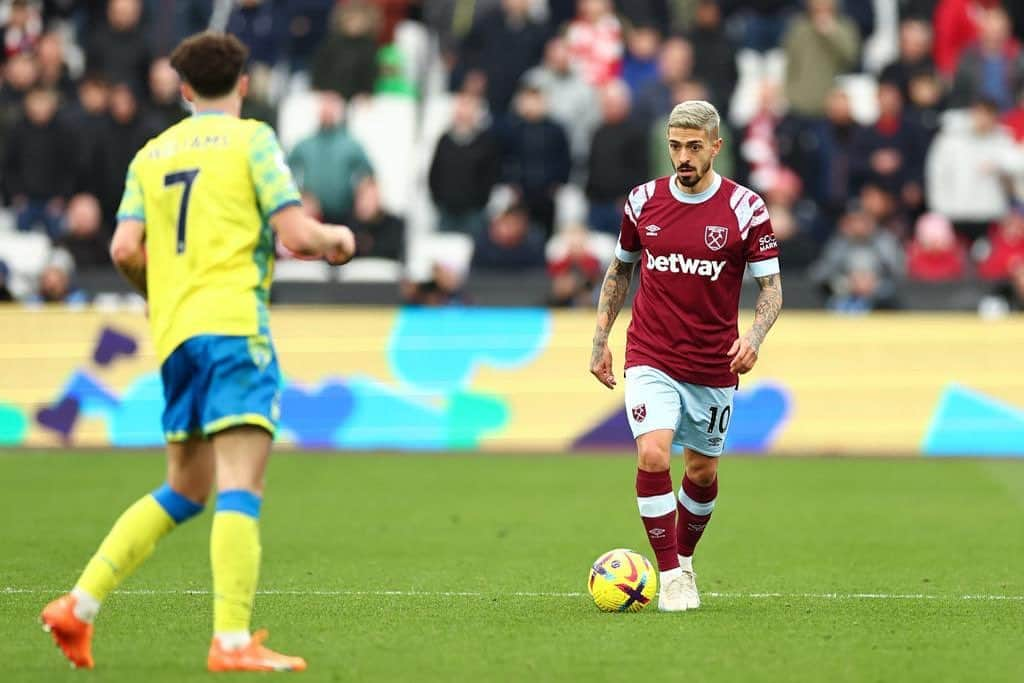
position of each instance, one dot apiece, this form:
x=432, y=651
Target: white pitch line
x=526, y=594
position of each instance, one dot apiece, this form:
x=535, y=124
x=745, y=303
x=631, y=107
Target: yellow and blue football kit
x=205, y=190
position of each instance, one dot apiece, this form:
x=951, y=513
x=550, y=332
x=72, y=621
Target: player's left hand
x=743, y=355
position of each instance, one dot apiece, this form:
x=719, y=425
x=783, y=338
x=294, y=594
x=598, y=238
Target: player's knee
x=702, y=472
x=653, y=457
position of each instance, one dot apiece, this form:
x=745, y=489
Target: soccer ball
x=622, y=581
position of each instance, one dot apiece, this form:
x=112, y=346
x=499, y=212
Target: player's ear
x=188, y=93
x=243, y=85
x=716, y=147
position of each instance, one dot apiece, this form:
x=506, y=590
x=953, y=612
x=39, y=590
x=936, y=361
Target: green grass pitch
x=472, y=568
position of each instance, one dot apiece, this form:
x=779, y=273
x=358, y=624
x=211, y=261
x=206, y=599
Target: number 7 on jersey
x=186, y=178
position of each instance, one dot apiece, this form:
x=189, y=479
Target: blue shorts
x=213, y=382
x=698, y=415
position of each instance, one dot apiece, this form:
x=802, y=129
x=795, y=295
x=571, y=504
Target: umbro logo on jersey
x=652, y=230
x=677, y=263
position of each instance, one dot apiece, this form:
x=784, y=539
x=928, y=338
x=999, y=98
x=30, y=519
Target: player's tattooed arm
x=614, y=291
x=769, y=302
x=767, y=308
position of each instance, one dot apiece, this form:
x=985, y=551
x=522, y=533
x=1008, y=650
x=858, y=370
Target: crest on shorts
x=640, y=412
x=715, y=236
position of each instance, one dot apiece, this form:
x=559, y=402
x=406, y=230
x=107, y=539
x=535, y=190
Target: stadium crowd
x=453, y=136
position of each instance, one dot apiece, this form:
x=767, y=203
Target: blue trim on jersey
x=209, y=112
x=130, y=217
x=698, y=198
x=241, y=501
x=282, y=207
x=176, y=505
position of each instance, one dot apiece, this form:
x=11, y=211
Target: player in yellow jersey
x=195, y=235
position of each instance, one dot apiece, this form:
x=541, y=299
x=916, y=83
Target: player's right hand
x=601, y=366
x=343, y=248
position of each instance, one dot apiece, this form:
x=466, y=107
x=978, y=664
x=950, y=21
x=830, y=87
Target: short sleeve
x=628, y=247
x=271, y=177
x=132, y=206
x=762, y=249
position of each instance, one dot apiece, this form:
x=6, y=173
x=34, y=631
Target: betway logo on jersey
x=677, y=263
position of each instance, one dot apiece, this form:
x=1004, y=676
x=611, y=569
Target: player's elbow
x=125, y=251
x=297, y=232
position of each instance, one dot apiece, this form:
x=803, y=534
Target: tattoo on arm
x=766, y=310
x=136, y=276
x=613, y=296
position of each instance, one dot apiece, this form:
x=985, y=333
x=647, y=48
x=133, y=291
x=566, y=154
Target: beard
x=695, y=178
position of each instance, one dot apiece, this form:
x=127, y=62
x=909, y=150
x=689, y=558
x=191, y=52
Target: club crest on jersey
x=640, y=412
x=652, y=230
x=715, y=236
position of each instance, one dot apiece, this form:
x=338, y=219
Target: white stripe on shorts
x=656, y=506
x=693, y=506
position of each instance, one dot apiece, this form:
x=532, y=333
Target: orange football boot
x=252, y=657
x=72, y=635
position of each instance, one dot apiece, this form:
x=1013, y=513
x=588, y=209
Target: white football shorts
x=698, y=415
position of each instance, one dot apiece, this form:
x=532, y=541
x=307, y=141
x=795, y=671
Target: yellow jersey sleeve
x=271, y=177
x=133, y=205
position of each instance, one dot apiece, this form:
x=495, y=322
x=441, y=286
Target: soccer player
x=194, y=237
x=693, y=235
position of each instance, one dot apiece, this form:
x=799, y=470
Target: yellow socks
x=235, y=557
x=130, y=541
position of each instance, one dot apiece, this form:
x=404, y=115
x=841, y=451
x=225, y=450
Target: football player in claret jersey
x=195, y=236
x=692, y=235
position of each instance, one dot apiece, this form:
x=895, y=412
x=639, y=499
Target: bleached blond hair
x=696, y=115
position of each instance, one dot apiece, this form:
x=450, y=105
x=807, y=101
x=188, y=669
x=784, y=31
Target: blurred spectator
x=714, y=54
x=860, y=266
x=935, y=254
x=882, y=203
x=1008, y=295
x=307, y=22
x=256, y=104
x=536, y=155
x=1005, y=245
x=20, y=74
x=575, y=271
x=1014, y=119
x=956, y=27
x=5, y=293
x=257, y=23
x=499, y=49
x=891, y=152
x=119, y=49
x=53, y=71
x=762, y=23
x=595, y=41
x=55, y=283
x=927, y=102
x=166, y=107
x=820, y=45
x=465, y=167
x=793, y=221
x=758, y=155
x=838, y=139
x=444, y=288
x=82, y=233
x=379, y=234
x=331, y=163
x=510, y=243
x=38, y=164
x=572, y=101
x=87, y=115
x=659, y=162
x=675, y=65
x=23, y=28
x=392, y=73
x=123, y=134
x=967, y=168
x=993, y=66
x=914, y=57
x=346, y=61
x=640, y=65
x=618, y=159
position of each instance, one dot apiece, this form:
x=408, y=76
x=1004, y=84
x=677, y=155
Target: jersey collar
x=694, y=198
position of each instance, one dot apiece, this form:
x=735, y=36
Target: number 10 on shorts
x=720, y=418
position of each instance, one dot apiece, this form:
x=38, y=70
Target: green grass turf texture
x=498, y=525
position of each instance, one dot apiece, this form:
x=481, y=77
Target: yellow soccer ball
x=622, y=581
